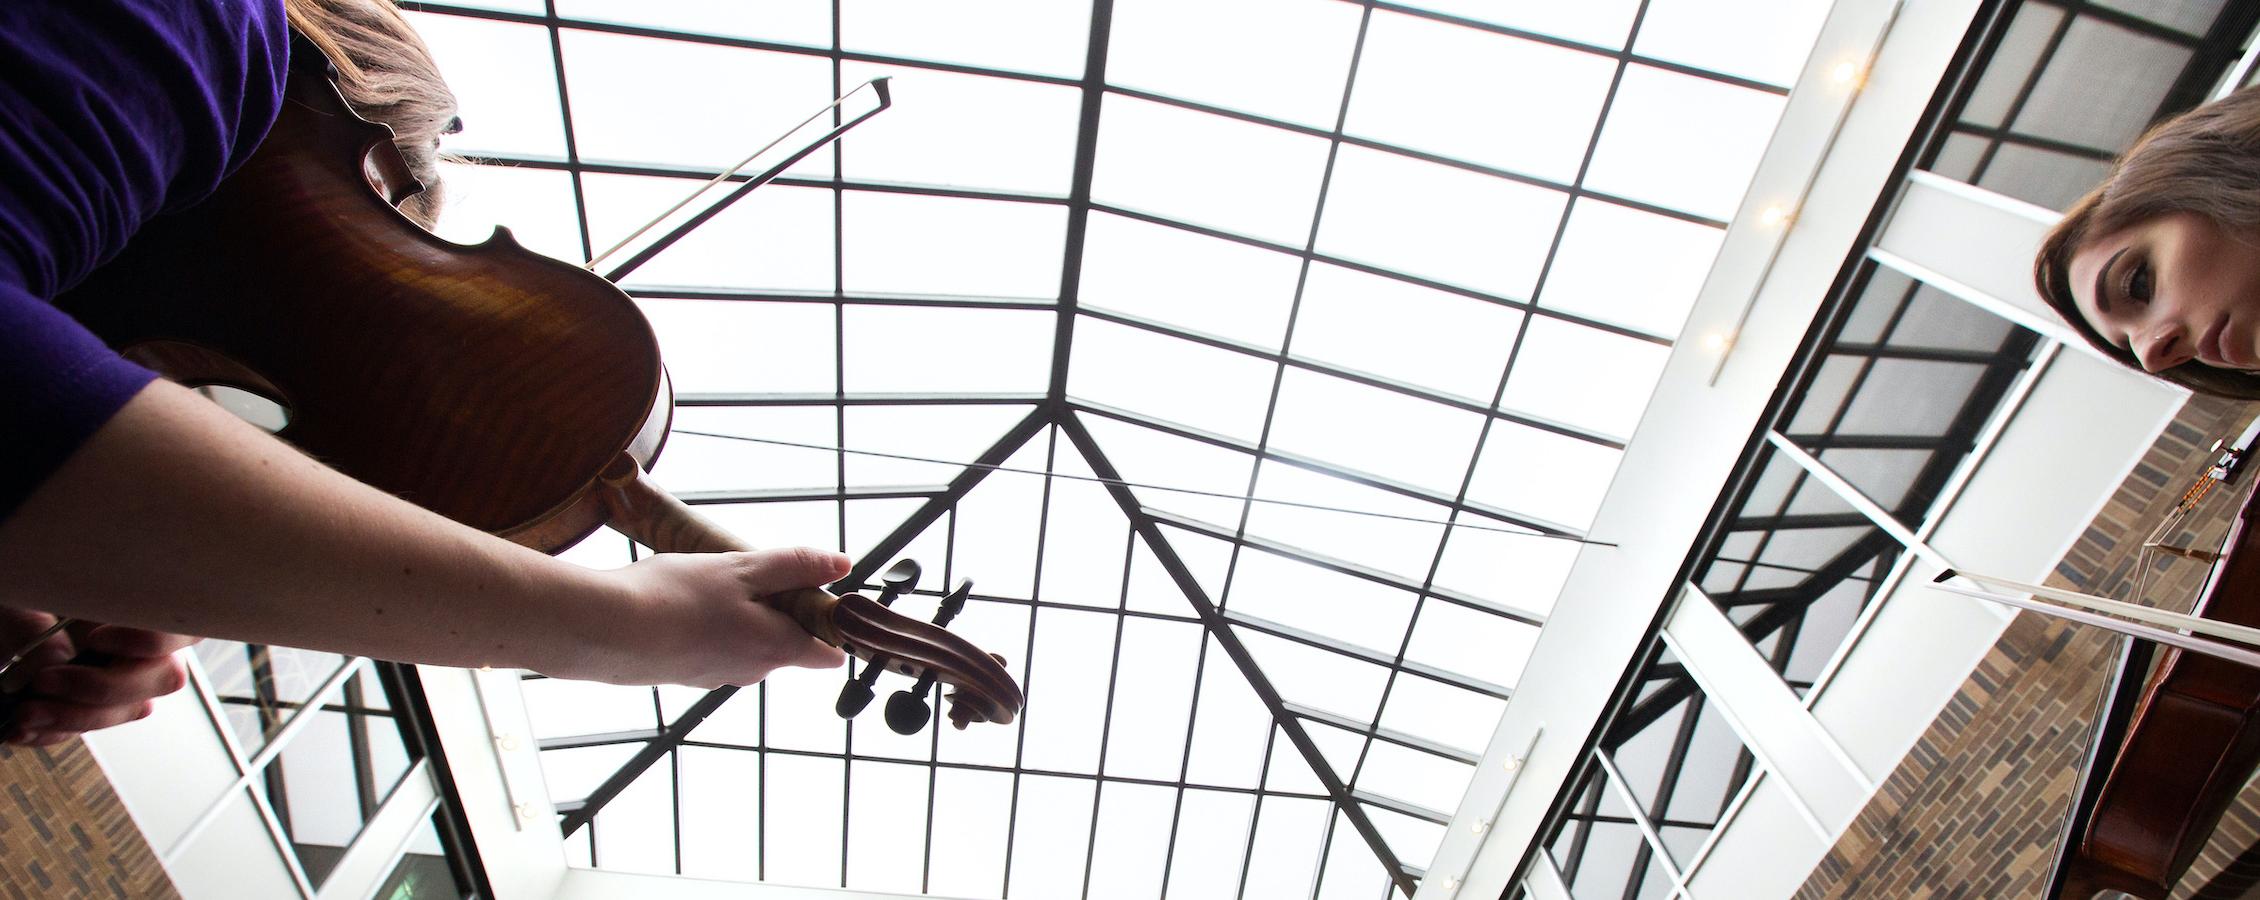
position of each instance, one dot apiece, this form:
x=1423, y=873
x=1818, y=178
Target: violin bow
x=2229, y=641
x=878, y=87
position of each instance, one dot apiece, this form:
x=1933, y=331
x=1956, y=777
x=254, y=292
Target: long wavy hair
x=2205, y=161
x=387, y=74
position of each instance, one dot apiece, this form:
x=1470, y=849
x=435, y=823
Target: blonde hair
x=388, y=75
x=2205, y=161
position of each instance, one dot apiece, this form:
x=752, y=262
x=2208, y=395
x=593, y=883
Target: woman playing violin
x=2160, y=265
x=133, y=501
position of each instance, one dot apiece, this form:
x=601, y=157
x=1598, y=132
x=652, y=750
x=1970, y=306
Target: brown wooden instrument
x=500, y=388
x=2169, y=760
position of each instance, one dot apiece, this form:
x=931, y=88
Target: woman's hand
x=60, y=699
x=695, y=619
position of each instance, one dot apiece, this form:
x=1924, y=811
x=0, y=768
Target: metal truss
x=1056, y=413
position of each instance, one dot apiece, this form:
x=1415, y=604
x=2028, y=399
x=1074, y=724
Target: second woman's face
x=2175, y=289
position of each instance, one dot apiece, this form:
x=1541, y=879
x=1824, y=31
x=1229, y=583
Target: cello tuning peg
x=899, y=579
x=907, y=711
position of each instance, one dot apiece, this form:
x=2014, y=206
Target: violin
x=2170, y=758
x=503, y=389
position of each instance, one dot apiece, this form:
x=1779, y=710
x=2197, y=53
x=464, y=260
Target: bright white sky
x=1440, y=217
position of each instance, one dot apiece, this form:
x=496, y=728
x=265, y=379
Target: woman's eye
x=2138, y=283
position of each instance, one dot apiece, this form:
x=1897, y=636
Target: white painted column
x=1763, y=290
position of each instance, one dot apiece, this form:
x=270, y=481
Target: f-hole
x=264, y=413
x=232, y=385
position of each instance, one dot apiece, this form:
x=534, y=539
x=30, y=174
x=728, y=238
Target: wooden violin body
x=485, y=383
x=2189, y=746
x=500, y=388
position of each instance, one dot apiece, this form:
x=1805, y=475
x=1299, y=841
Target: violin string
x=1153, y=487
x=2148, y=556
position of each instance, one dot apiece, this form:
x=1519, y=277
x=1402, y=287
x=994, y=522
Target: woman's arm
x=177, y=517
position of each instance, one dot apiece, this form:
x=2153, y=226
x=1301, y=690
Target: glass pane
x=1542, y=475
x=1153, y=699
x=905, y=244
x=1229, y=54
x=806, y=22
x=1471, y=95
x=1115, y=365
x=1053, y=836
x=1602, y=23
x=630, y=106
x=1164, y=471
x=1590, y=279
x=1208, y=170
x=1324, y=603
x=1287, y=830
x=1230, y=729
x=1763, y=40
x=1506, y=568
x=1682, y=142
x=1416, y=777
x=1212, y=836
x=1362, y=428
x=964, y=131
x=1404, y=332
x=969, y=351
x=495, y=70
x=1130, y=844
x=261, y=687
x=2086, y=96
x=972, y=810
x=1401, y=541
x=1452, y=716
x=722, y=813
x=1480, y=645
x=535, y=204
x=705, y=344
x=777, y=239
x=636, y=831
x=1437, y=222
x=887, y=806
x=422, y=872
x=1070, y=676
x=1213, y=286
x=1320, y=679
x=1583, y=377
x=334, y=774
x=1044, y=36
x=802, y=802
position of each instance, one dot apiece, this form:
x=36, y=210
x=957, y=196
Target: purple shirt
x=111, y=112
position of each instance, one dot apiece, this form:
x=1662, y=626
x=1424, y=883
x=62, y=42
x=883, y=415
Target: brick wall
x=63, y=832
x=1976, y=808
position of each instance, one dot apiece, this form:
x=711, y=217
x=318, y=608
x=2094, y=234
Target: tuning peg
x=857, y=693
x=898, y=580
x=961, y=714
x=907, y=711
x=954, y=603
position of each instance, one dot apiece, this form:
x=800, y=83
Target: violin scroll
x=865, y=628
x=985, y=691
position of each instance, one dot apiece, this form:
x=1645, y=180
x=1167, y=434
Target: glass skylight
x=1418, y=262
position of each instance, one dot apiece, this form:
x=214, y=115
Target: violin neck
x=651, y=516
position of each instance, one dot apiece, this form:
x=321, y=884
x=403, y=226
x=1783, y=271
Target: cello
x=505, y=390
x=2171, y=751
